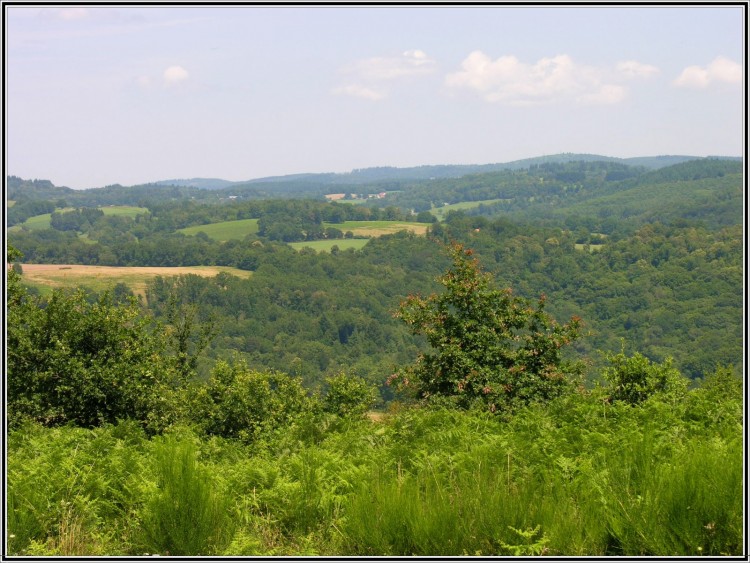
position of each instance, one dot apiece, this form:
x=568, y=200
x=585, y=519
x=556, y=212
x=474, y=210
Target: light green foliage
x=487, y=343
x=184, y=515
x=636, y=379
x=719, y=400
x=574, y=477
x=74, y=491
x=238, y=402
x=348, y=396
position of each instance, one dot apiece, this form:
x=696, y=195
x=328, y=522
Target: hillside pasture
x=327, y=245
x=441, y=212
x=379, y=228
x=38, y=222
x=124, y=210
x=225, y=230
x=46, y=277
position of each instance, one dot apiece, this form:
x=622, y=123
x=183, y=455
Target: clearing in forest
x=99, y=278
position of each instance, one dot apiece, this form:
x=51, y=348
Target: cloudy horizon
x=103, y=95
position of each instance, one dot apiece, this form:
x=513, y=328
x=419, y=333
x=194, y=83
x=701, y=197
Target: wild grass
x=576, y=477
x=185, y=514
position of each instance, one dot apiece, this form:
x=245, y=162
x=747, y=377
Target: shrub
x=348, y=395
x=635, y=379
x=487, y=343
x=238, y=402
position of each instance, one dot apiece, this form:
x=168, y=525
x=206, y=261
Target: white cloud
x=720, y=69
x=409, y=63
x=634, y=69
x=359, y=91
x=510, y=81
x=175, y=74
x=369, y=78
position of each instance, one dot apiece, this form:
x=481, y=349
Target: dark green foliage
x=87, y=363
x=487, y=343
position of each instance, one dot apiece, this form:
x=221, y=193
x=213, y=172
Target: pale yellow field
x=103, y=277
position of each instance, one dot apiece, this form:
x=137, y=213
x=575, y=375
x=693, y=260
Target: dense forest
x=549, y=370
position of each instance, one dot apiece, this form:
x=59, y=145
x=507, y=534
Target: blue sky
x=133, y=94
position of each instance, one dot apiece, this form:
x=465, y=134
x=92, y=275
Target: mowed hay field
x=45, y=277
x=379, y=228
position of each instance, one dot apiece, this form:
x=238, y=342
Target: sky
x=118, y=94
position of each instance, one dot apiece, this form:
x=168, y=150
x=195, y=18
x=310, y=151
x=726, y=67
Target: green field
x=379, y=228
x=38, y=222
x=326, y=245
x=124, y=210
x=441, y=212
x=226, y=230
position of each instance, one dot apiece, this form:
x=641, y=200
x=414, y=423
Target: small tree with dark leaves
x=488, y=345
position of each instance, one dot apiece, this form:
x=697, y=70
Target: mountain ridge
x=430, y=171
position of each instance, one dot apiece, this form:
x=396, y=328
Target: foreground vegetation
x=532, y=398
x=579, y=476
x=116, y=449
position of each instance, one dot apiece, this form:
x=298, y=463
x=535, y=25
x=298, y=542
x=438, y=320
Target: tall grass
x=640, y=491
x=576, y=477
x=185, y=515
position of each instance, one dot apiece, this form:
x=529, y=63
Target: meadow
x=238, y=230
x=46, y=277
x=39, y=222
x=225, y=230
x=379, y=228
x=327, y=245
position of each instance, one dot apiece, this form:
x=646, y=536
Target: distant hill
x=362, y=176
x=203, y=183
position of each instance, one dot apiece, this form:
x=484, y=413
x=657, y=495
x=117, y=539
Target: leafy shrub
x=348, y=396
x=241, y=403
x=71, y=361
x=636, y=378
x=488, y=344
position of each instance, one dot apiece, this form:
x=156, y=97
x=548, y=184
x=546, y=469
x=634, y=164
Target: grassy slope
x=225, y=230
x=326, y=245
x=43, y=221
x=99, y=278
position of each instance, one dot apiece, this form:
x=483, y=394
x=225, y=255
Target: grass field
x=379, y=228
x=326, y=245
x=45, y=277
x=38, y=222
x=124, y=210
x=226, y=230
x=441, y=212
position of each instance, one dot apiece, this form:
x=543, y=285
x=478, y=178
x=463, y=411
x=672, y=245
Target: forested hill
x=651, y=257
x=426, y=172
